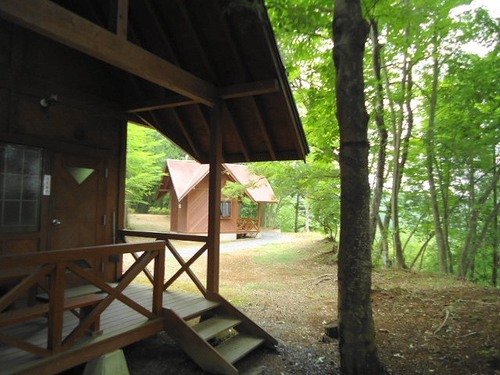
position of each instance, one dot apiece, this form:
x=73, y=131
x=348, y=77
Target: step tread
x=195, y=308
x=210, y=328
x=238, y=346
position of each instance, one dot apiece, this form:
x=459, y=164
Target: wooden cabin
x=207, y=74
x=187, y=182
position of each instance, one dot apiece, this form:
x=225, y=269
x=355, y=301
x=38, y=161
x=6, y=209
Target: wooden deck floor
x=120, y=326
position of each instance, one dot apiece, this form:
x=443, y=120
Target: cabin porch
x=62, y=328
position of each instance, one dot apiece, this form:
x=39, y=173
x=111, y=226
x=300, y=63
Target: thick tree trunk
x=358, y=351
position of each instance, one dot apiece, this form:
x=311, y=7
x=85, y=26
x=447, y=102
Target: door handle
x=56, y=222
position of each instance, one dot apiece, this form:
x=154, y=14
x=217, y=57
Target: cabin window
x=225, y=209
x=20, y=188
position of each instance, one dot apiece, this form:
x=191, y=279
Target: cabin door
x=78, y=203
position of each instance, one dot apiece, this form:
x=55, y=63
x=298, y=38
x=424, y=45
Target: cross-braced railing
x=247, y=225
x=185, y=265
x=51, y=270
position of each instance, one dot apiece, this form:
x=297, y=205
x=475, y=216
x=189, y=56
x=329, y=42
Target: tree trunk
x=422, y=250
x=401, y=146
x=297, y=208
x=438, y=228
x=308, y=217
x=382, y=133
x=472, y=242
x=495, y=239
x=358, y=352
x=384, y=238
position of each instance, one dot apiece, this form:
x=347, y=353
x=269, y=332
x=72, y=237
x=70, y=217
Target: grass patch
x=235, y=295
x=289, y=252
x=266, y=286
x=271, y=256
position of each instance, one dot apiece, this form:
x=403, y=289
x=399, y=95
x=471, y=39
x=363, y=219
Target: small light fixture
x=47, y=102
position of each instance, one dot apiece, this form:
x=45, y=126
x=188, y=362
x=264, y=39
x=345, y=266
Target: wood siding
x=82, y=122
x=191, y=214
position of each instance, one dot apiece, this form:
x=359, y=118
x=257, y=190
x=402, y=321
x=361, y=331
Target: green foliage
x=235, y=190
x=147, y=152
x=466, y=139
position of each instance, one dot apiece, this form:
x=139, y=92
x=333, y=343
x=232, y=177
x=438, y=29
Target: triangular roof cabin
x=207, y=74
x=187, y=182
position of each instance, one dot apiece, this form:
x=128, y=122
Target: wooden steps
x=220, y=335
x=238, y=346
x=210, y=328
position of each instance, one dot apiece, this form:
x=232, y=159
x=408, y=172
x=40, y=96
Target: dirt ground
x=425, y=323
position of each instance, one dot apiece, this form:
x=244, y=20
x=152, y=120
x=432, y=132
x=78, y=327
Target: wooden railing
x=247, y=225
x=52, y=269
x=184, y=265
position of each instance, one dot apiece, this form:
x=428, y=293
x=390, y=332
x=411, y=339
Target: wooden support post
x=56, y=308
x=260, y=215
x=213, y=241
x=159, y=276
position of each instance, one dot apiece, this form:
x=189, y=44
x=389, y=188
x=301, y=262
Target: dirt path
x=426, y=324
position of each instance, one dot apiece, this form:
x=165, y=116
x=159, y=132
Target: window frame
x=21, y=176
x=226, y=209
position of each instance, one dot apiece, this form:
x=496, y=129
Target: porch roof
x=171, y=61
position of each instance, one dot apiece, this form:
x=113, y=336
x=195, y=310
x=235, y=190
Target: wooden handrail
x=71, y=255
x=56, y=265
x=164, y=236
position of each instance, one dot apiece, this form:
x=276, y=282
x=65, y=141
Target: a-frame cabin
x=205, y=73
x=187, y=182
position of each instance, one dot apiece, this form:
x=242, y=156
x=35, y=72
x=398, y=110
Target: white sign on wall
x=46, y=184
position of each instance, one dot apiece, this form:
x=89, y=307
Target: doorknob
x=56, y=222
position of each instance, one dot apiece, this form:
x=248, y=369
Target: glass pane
x=11, y=213
x=225, y=209
x=13, y=160
x=32, y=163
x=29, y=214
x=2, y=159
x=20, y=188
x=31, y=187
x=13, y=186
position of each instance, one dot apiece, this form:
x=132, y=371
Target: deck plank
x=116, y=320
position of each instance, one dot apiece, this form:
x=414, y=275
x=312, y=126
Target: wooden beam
x=229, y=92
x=119, y=18
x=63, y=26
x=249, y=89
x=157, y=104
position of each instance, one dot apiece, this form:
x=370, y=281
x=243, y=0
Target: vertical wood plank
x=159, y=275
x=56, y=308
x=214, y=200
x=260, y=216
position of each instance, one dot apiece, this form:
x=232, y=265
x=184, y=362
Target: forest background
x=432, y=73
